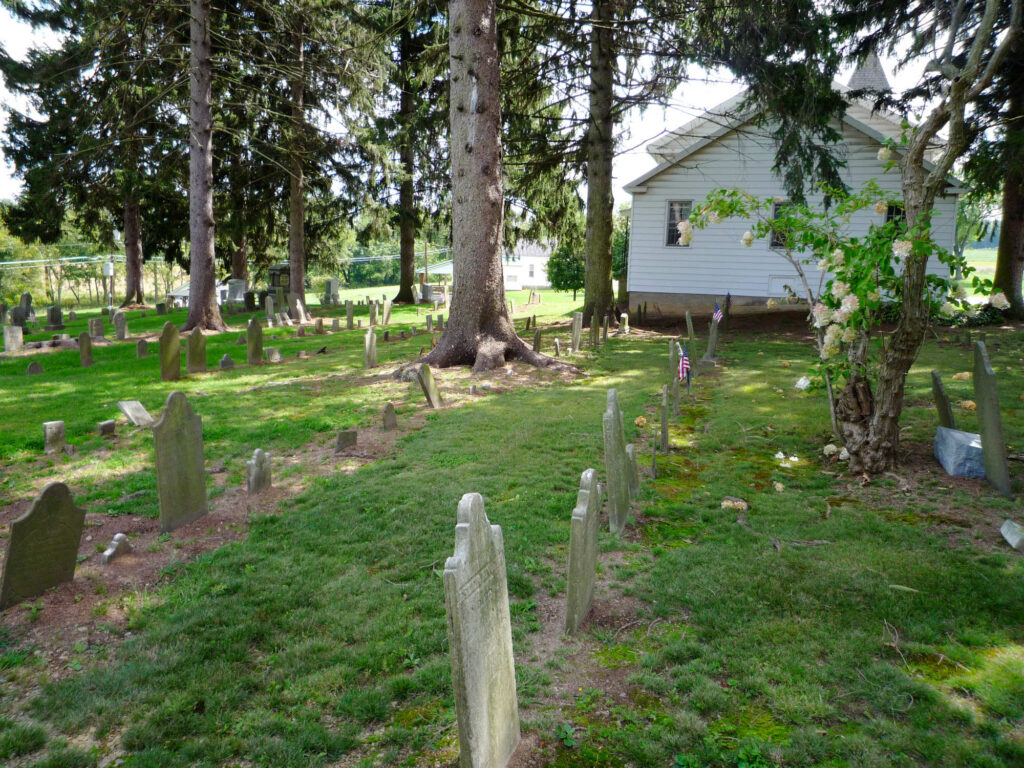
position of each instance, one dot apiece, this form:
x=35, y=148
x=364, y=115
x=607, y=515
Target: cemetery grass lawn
x=883, y=629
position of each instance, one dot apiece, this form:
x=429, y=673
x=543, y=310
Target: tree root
x=485, y=354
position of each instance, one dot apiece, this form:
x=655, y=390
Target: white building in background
x=723, y=149
x=525, y=266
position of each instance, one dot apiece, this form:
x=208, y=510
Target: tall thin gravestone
x=387, y=312
x=664, y=418
x=42, y=546
x=370, y=349
x=141, y=349
x=349, y=309
x=942, y=404
x=254, y=342
x=195, y=352
x=577, y=331
x=710, y=355
x=480, y=640
x=689, y=331
x=120, y=325
x=615, y=464
x=632, y=471
x=85, y=348
x=990, y=422
x=595, y=329
x=180, y=474
x=536, y=340
x=373, y=313
x=268, y=308
x=426, y=379
x=170, y=353
x=586, y=519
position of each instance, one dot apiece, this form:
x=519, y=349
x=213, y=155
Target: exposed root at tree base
x=485, y=353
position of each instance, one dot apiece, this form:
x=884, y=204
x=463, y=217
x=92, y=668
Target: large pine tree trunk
x=1010, y=254
x=406, y=193
x=134, y=292
x=203, y=311
x=297, y=181
x=240, y=260
x=479, y=331
x=597, y=281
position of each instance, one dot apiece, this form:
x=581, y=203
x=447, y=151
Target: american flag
x=717, y=317
x=684, y=364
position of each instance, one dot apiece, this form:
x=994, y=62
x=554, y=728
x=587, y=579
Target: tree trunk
x=1010, y=253
x=240, y=261
x=597, y=281
x=479, y=331
x=296, y=186
x=134, y=292
x=406, y=194
x=203, y=311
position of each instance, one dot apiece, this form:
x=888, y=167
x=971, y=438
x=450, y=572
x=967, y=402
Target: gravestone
x=85, y=349
x=990, y=422
x=42, y=546
x=236, y=290
x=249, y=300
x=304, y=316
x=558, y=348
x=373, y=313
x=180, y=474
x=440, y=322
x=118, y=546
x=96, y=327
x=595, y=329
x=226, y=362
x=633, y=473
x=161, y=308
x=14, y=339
x=387, y=312
x=335, y=323
x=664, y=418
x=346, y=439
x=170, y=353
x=195, y=352
x=426, y=379
x=604, y=329
x=26, y=306
x=18, y=316
x=257, y=472
x=34, y=368
x=370, y=349
x=120, y=326
x=72, y=316
x=293, y=307
x=273, y=355
x=3, y=312
x=577, y=331
x=582, y=569
x=710, y=357
x=480, y=640
x=300, y=332
x=53, y=437
x=430, y=323
x=54, y=319
x=106, y=428
x=240, y=341
x=141, y=349
x=268, y=307
x=942, y=405
x=318, y=326
x=689, y=330
x=959, y=453
x=389, y=419
x=1014, y=534
x=136, y=413
x=254, y=343
x=536, y=340
x=616, y=465
x=349, y=309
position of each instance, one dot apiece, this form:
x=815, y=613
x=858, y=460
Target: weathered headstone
x=72, y=316
x=170, y=353
x=26, y=306
x=335, y=323
x=387, y=312
x=604, y=329
x=249, y=300
x=1014, y=535
x=195, y=352
x=959, y=453
x=106, y=428
x=253, y=342
x=388, y=418
x=558, y=348
x=42, y=546
x=990, y=422
x=257, y=472
x=430, y=323
x=141, y=349
x=54, y=318
x=664, y=418
x=96, y=327
x=180, y=474
x=18, y=316
x=370, y=349
x=595, y=328
x=118, y=546
x=577, y=331
x=586, y=519
x=710, y=357
x=616, y=465
x=633, y=471
x=34, y=368
x=346, y=439
x=161, y=308
x=14, y=339
x=120, y=325
x=273, y=354
x=373, y=313
x=349, y=309
x=440, y=322
x=942, y=404
x=293, y=307
x=268, y=307
x=480, y=640
x=85, y=349
x=689, y=330
x=300, y=332
x=53, y=437
x=136, y=413
x=536, y=340
x=227, y=362
x=318, y=326
x=426, y=379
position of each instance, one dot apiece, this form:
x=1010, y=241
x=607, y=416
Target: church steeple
x=869, y=75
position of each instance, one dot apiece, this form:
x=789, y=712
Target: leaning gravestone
x=53, y=436
x=616, y=464
x=480, y=640
x=180, y=474
x=118, y=546
x=120, y=326
x=42, y=546
x=195, y=352
x=85, y=348
x=990, y=422
x=942, y=405
x=1014, y=534
x=577, y=331
x=34, y=368
x=170, y=353
x=14, y=339
x=387, y=312
x=370, y=349
x=536, y=340
x=586, y=519
x=136, y=413
x=426, y=379
x=257, y=474
x=390, y=420
x=254, y=342
x=141, y=349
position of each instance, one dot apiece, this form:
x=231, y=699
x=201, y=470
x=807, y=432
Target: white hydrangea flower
x=715, y=218
x=830, y=450
x=822, y=315
x=838, y=257
x=840, y=289
x=824, y=265
x=850, y=335
x=901, y=247
x=771, y=302
x=851, y=303
x=884, y=154
x=833, y=333
x=999, y=300
x=948, y=309
x=685, y=232
x=874, y=296
x=881, y=207
x=802, y=383
x=747, y=239
x=780, y=455
x=960, y=293
x=841, y=315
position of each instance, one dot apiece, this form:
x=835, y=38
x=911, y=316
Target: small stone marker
x=120, y=325
x=72, y=316
x=349, y=309
x=370, y=349
x=426, y=379
x=161, y=308
x=180, y=474
x=273, y=354
x=42, y=546
x=615, y=464
x=300, y=332
x=254, y=343
x=14, y=339
x=85, y=348
x=195, y=352
x=346, y=439
x=389, y=419
x=604, y=329
x=480, y=640
x=96, y=327
x=595, y=329
x=558, y=348
x=430, y=323
x=227, y=363
x=990, y=422
x=942, y=405
x=106, y=428
x=959, y=453
x=335, y=323
x=242, y=337
x=34, y=368
x=318, y=326
x=53, y=437
x=119, y=546
x=633, y=471
x=1014, y=535
x=136, y=413
x=577, y=331
x=170, y=353
x=586, y=519
x=387, y=312
x=257, y=472
x=536, y=340
x=141, y=349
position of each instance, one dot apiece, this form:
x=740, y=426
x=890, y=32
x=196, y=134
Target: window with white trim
x=678, y=210
x=779, y=239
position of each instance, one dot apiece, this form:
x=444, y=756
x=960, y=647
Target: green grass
x=322, y=635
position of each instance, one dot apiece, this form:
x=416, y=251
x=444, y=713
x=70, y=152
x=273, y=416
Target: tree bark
x=479, y=331
x=597, y=281
x=240, y=261
x=134, y=292
x=296, y=186
x=406, y=193
x=203, y=311
x=1010, y=252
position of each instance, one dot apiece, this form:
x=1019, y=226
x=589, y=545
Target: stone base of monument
x=959, y=452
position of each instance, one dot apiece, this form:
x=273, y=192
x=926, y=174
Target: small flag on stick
x=684, y=366
x=717, y=317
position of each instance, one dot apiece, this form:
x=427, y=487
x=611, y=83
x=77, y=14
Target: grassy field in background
x=843, y=623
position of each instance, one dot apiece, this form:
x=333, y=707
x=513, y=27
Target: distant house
x=525, y=266
x=722, y=148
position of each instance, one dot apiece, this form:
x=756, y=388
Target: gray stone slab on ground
x=14, y=339
x=616, y=464
x=582, y=568
x=195, y=352
x=136, y=413
x=426, y=379
x=370, y=349
x=85, y=349
x=480, y=640
x=118, y=546
x=254, y=342
x=942, y=405
x=1014, y=535
x=990, y=422
x=959, y=453
x=257, y=472
x=34, y=368
x=388, y=418
x=170, y=353
x=42, y=546
x=53, y=437
x=180, y=474
x=346, y=439
x=141, y=349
